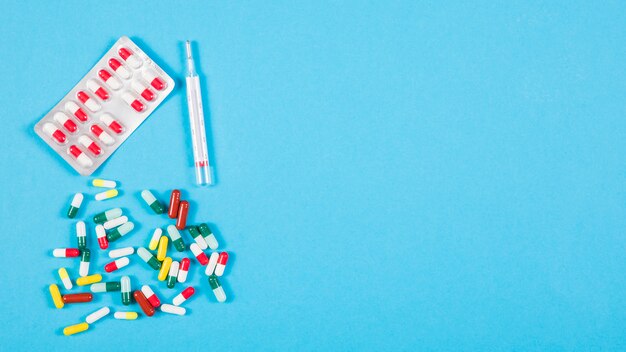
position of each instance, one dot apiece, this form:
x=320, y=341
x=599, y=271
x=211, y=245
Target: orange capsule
x=141, y=299
x=77, y=297
x=183, y=209
x=172, y=211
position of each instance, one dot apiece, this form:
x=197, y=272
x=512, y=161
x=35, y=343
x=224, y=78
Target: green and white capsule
x=75, y=205
x=107, y=215
x=81, y=235
x=125, y=283
x=218, y=291
x=197, y=236
x=151, y=200
x=105, y=287
x=85, y=257
x=209, y=237
x=173, y=274
x=177, y=240
x=148, y=258
x=120, y=231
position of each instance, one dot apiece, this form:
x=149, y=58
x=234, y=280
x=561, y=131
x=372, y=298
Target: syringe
x=196, y=122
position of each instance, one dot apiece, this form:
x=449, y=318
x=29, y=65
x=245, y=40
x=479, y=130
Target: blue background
x=397, y=175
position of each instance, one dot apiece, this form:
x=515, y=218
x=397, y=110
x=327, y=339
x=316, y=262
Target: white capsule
x=210, y=268
x=97, y=315
x=172, y=309
x=154, y=240
x=115, y=222
x=122, y=252
x=83, y=268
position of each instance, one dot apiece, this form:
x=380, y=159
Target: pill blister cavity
x=131, y=59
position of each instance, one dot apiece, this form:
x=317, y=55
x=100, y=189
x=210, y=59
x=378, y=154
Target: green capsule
x=151, y=200
x=107, y=215
x=106, y=287
x=81, y=235
x=177, y=240
x=148, y=258
x=75, y=205
x=120, y=231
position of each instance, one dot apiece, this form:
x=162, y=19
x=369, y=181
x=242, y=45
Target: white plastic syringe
x=196, y=122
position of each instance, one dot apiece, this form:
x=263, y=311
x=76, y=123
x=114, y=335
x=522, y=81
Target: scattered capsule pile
x=111, y=226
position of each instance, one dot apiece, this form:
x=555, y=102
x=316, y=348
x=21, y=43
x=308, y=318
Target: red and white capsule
x=54, y=133
x=154, y=80
x=151, y=296
x=66, y=252
x=90, y=145
x=116, y=264
x=143, y=90
x=81, y=157
x=65, y=121
x=103, y=242
x=199, y=254
x=75, y=110
x=221, y=264
x=183, y=296
x=97, y=89
x=183, y=270
x=129, y=57
x=109, y=79
x=133, y=101
x=119, y=68
x=112, y=123
x=102, y=135
x=84, y=98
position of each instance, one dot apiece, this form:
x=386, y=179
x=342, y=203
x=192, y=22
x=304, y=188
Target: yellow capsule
x=165, y=268
x=107, y=194
x=154, y=240
x=75, y=329
x=162, y=252
x=98, y=182
x=88, y=280
x=125, y=315
x=56, y=296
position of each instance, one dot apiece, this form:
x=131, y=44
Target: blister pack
x=105, y=107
